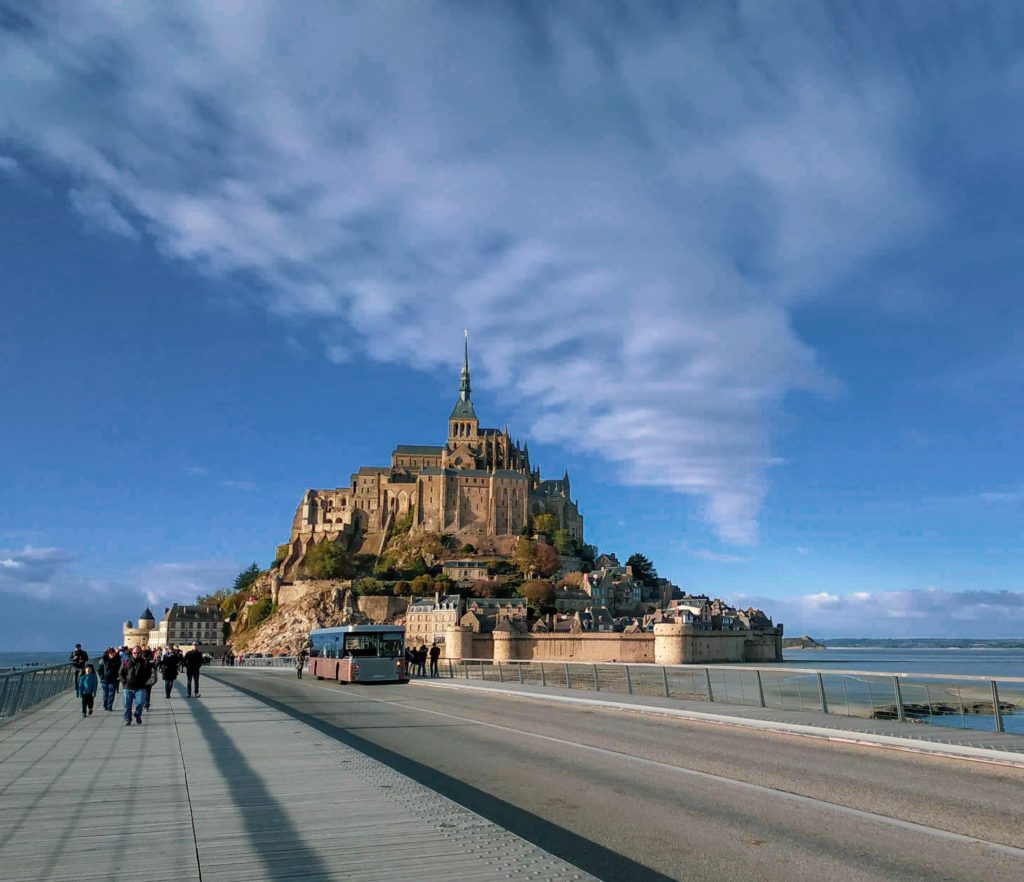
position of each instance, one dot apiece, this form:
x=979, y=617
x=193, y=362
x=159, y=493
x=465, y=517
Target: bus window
x=392, y=645
x=361, y=645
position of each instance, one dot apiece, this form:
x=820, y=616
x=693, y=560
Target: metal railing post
x=597, y=682
x=451, y=676
x=629, y=681
x=568, y=680
x=519, y=668
x=501, y=675
x=707, y=677
x=760, y=689
x=997, y=711
x=821, y=694
x=899, y=699
x=543, y=679
x=664, y=679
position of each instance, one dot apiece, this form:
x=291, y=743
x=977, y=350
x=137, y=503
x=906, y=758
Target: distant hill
x=922, y=643
x=802, y=642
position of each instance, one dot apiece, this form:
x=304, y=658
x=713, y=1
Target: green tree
x=422, y=585
x=245, y=579
x=547, y=524
x=643, y=569
x=369, y=585
x=525, y=555
x=328, y=560
x=586, y=553
x=402, y=589
x=260, y=611
x=547, y=562
x=564, y=543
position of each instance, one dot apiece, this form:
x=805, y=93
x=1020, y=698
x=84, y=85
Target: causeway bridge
x=270, y=778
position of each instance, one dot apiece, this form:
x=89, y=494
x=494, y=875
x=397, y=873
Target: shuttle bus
x=358, y=654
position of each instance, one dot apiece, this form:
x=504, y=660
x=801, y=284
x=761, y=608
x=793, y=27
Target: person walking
x=169, y=665
x=421, y=660
x=78, y=659
x=301, y=663
x=193, y=662
x=435, y=654
x=134, y=677
x=154, y=660
x=110, y=670
x=87, y=686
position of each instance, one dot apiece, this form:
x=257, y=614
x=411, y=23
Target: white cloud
x=625, y=213
x=10, y=166
x=31, y=570
x=715, y=556
x=926, y=612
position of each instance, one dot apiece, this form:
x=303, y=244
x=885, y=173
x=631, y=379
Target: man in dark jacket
x=78, y=659
x=169, y=665
x=134, y=677
x=435, y=654
x=109, y=672
x=193, y=662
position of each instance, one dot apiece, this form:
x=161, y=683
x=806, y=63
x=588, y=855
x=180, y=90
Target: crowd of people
x=134, y=672
x=416, y=659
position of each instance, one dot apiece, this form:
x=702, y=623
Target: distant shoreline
x=918, y=643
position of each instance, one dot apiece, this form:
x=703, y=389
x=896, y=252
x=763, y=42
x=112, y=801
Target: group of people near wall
x=416, y=659
x=135, y=672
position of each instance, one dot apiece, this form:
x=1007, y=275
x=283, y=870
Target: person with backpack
x=134, y=677
x=193, y=662
x=87, y=686
x=109, y=673
x=78, y=659
x=169, y=667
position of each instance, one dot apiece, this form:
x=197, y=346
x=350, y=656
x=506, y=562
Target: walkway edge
x=864, y=739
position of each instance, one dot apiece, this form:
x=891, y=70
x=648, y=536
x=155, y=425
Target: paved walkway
x=974, y=744
x=226, y=789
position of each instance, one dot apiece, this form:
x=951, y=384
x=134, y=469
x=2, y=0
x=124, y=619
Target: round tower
x=146, y=620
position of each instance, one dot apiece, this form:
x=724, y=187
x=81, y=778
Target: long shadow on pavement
x=582, y=853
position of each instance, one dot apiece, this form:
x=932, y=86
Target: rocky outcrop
x=802, y=642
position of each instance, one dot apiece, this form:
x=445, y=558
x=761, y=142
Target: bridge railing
x=27, y=687
x=277, y=661
x=967, y=702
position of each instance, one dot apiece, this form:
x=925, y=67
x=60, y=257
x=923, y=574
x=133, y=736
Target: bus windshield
x=386, y=645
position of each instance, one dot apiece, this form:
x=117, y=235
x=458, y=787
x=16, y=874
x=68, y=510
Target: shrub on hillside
x=260, y=611
x=327, y=560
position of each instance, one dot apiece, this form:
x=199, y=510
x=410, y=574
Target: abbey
x=478, y=484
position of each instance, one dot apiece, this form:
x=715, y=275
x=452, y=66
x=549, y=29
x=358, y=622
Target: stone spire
x=464, y=387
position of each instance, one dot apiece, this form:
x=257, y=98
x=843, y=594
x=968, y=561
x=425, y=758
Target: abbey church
x=478, y=484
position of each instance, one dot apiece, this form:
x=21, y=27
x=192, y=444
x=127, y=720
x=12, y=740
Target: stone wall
x=669, y=645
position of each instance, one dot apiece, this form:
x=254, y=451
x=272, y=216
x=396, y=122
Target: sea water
x=12, y=660
x=994, y=663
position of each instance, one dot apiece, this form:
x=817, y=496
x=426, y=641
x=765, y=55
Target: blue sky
x=750, y=272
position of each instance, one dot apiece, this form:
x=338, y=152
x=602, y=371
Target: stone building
x=479, y=483
x=181, y=625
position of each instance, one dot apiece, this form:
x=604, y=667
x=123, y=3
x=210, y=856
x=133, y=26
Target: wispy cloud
x=625, y=207
x=31, y=570
x=927, y=612
x=10, y=166
x=238, y=485
x=715, y=556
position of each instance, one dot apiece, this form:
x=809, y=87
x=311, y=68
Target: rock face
x=287, y=630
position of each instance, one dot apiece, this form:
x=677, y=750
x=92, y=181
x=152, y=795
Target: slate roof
x=463, y=410
x=419, y=449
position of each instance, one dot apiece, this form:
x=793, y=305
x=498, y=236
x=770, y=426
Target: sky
x=749, y=271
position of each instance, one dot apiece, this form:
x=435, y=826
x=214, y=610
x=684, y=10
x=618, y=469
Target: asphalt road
x=628, y=796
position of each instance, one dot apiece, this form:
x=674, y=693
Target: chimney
x=437, y=599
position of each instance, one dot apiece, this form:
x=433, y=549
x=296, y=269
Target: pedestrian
x=110, y=670
x=410, y=661
x=154, y=661
x=134, y=677
x=78, y=659
x=421, y=660
x=301, y=663
x=169, y=670
x=435, y=654
x=87, y=686
x=193, y=662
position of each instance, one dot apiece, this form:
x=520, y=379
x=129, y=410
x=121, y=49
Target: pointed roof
x=148, y=614
x=463, y=409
